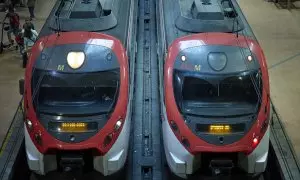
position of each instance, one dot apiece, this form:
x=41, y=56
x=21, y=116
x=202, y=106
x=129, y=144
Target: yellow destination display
x=73, y=127
x=219, y=129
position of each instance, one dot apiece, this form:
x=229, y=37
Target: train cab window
x=213, y=94
x=68, y=94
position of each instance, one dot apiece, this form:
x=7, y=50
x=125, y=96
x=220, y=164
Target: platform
x=278, y=32
x=11, y=66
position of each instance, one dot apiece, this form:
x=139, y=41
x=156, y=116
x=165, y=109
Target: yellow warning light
x=75, y=59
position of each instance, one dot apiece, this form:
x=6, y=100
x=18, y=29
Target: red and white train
x=215, y=84
x=76, y=88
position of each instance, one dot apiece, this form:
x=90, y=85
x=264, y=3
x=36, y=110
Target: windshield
x=76, y=93
x=217, y=95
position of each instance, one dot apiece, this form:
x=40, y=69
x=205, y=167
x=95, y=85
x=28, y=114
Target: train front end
x=217, y=107
x=76, y=103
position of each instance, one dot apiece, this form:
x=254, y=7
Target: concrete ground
x=278, y=31
x=11, y=67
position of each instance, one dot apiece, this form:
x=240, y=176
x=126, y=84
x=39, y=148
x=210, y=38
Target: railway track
x=145, y=161
x=146, y=125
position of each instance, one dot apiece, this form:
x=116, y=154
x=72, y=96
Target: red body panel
x=196, y=144
x=95, y=142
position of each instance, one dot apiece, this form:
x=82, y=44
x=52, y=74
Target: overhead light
x=75, y=59
x=183, y=58
x=249, y=58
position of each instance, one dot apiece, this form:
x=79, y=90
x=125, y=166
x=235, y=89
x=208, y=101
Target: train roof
x=106, y=16
x=185, y=17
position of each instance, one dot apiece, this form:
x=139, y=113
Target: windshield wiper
x=74, y=115
x=111, y=108
x=36, y=89
x=215, y=116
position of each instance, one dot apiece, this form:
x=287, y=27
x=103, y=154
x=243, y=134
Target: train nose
x=221, y=166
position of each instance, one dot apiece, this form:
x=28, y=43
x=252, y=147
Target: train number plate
x=219, y=129
x=73, y=127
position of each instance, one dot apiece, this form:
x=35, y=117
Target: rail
x=146, y=154
x=289, y=163
x=11, y=145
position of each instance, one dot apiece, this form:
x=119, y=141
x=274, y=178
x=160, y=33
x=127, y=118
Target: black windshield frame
x=216, y=107
x=63, y=94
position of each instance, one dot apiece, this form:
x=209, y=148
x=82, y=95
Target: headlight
x=118, y=125
x=29, y=124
